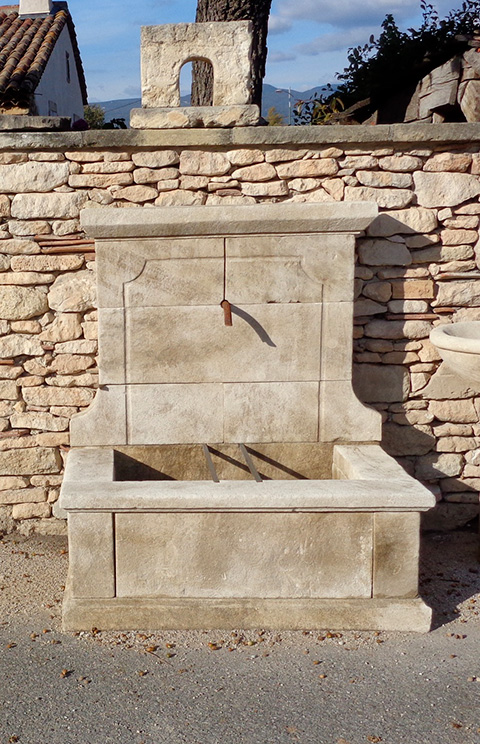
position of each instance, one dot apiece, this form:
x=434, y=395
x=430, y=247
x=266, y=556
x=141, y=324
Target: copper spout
x=227, y=312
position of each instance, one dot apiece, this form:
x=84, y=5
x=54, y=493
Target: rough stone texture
x=19, y=303
x=194, y=117
x=384, y=253
x=30, y=461
x=445, y=190
x=66, y=206
x=73, y=292
x=387, y=383
x=387, y=198
x=31, y=177
x=195, y=162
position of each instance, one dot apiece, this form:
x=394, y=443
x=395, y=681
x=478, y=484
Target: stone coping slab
x=390, y=490
x=345, y=217
x=391, y=134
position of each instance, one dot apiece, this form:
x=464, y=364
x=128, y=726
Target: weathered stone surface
x=69, y=364
x=440, y=253
x=82, y=346
x=26, y=278
x=30, y=177
x=457, y=444
x=308, y=168
x=259, y=172
x=64, y=328
x=384, y=253
x=108, y=167
x=269, y=188
x=53, y=396
x=400, y=441
x=180, y=198
x=15, y=246
x=412, y=289
x=462, y=293
x=99, y=180
x=13, y=482
x=29, y=227
x=303, y=184
x=23, y=495
x=243, y=157
x=281, y=154
x=384, y=179
x=8, y=390
x=137, y=194
x=31, y=511
x=41, y=206
x=458, y=237
x=145, y=175
x=38, y=420
x=198, y=162
x=156, y=158
x=46, y=263
x=378, y=291
x=462, y=411
x=19, y=303
x=405, y=221
x=449, y=161
x=387, y=198
x=74, y=292
x=445, y=189
x=400, y=163
x=434, y=465
x=30, y=461
x=333, y=186
x=18, y=345
x=385, y=383
x=367, y=307
x=397, y=329
x=408, y=306
x=359, y=161
x=446, y=385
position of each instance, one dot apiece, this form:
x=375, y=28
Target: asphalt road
x=223, y=688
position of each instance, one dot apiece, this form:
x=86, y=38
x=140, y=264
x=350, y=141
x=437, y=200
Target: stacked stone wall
x=427, y=187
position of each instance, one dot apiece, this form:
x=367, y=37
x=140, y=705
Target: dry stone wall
x=426, y=180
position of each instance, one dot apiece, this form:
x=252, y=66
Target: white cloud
x=278, y=24
x=281, y=56
x=346, y=13
x=337, y=41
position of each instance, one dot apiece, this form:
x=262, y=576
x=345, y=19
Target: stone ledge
x=416, y=134
x=24, y=123
x=272, y=614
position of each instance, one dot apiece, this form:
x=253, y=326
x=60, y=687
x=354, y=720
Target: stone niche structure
x=227, y=46
x=226, y=475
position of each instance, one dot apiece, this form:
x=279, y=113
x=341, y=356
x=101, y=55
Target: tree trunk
x=256, y=11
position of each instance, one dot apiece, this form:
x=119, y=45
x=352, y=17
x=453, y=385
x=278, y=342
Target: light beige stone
x=462, y=293
x=458, y=237
x=38, y=420
x=156, y=158
x=384, y=179
x=400, y=163
x=259, y=172
x=41, y=206
x=412, y=289
x=449, y=161
x=445, y=385
x=198, y=162
x=387, y=198
x=108, y=167
x=457, y=444
x=445, y=189
x=280, y=154
x=23, y=496
x=19, y=303
x=65, y=327
x=352, y=422
x=242, y=157
x=52, y=396
x=91, y=555
x=26, y=278
x=403, y=221
x=269, y=188
x=434, y=465
x=397, y=329
x=26, y=228
x=137, y=194
x=234, y=567
x=440, y=253
x=308, y=168
x=31, y=177
x=408, y=306
x=31, y=511
x=8, y=390
x=359, y=161
x=30, y=461
x=13, y=482
x=99, y=180
x=181, y=197
x=46, y=263
x=462, y=411
x=16, y=246
x=333, y=186
x=74, y=292
x=396, y=549
x=19, y=345
x=76, y=347
x=71, y=363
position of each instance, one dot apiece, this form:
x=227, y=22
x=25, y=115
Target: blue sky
x=308, y=39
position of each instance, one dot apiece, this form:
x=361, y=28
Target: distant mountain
x=277, y=97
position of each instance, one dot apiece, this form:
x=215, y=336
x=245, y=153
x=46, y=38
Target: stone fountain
x=226, y=475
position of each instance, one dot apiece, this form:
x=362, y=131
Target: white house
x=41, y=72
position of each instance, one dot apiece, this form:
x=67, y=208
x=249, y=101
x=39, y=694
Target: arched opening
x=196, y=83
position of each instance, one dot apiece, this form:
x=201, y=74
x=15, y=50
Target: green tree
x=94, y=115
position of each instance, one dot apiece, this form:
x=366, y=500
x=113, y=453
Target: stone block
x=384, y=253
x=30, y=461
x=445, y=189
x=65, y=328
x=49, y=396
x=41, y=206
x=31, y=177
x=23, y=496
x=285, y=555
x=192, y=344
x=195, y=117
x=308, y=168
x=174, y=413
x=384, y=179
x=18, y=345
x=111, y=341
x=400, y=163
x=21, y=303
x=336, y=351
x=343, y=417
x=384, y=383
x=104, y=422
x=73, y=292
x=403, y=221
x=396, y=554
x=386, y=198
x=434, y=465
x=91, y=554
x=269, y=188
x=227, y=45
x=271, y=412
x=445, y=385
x=157, y=158
x=31, y=511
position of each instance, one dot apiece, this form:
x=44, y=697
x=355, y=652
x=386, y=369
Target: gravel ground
x=225, y=687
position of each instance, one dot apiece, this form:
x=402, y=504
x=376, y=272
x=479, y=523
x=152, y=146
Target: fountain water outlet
x=226, y=475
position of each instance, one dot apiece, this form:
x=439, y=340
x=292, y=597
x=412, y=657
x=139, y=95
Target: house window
x=52, y=108
x=67, y=64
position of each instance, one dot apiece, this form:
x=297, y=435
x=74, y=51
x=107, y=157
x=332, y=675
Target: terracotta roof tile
x=25, y=48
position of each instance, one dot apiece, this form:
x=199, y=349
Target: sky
x=308, y=39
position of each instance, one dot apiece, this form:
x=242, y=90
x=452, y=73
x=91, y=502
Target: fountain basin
x=459, y=347
x=339, y=549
